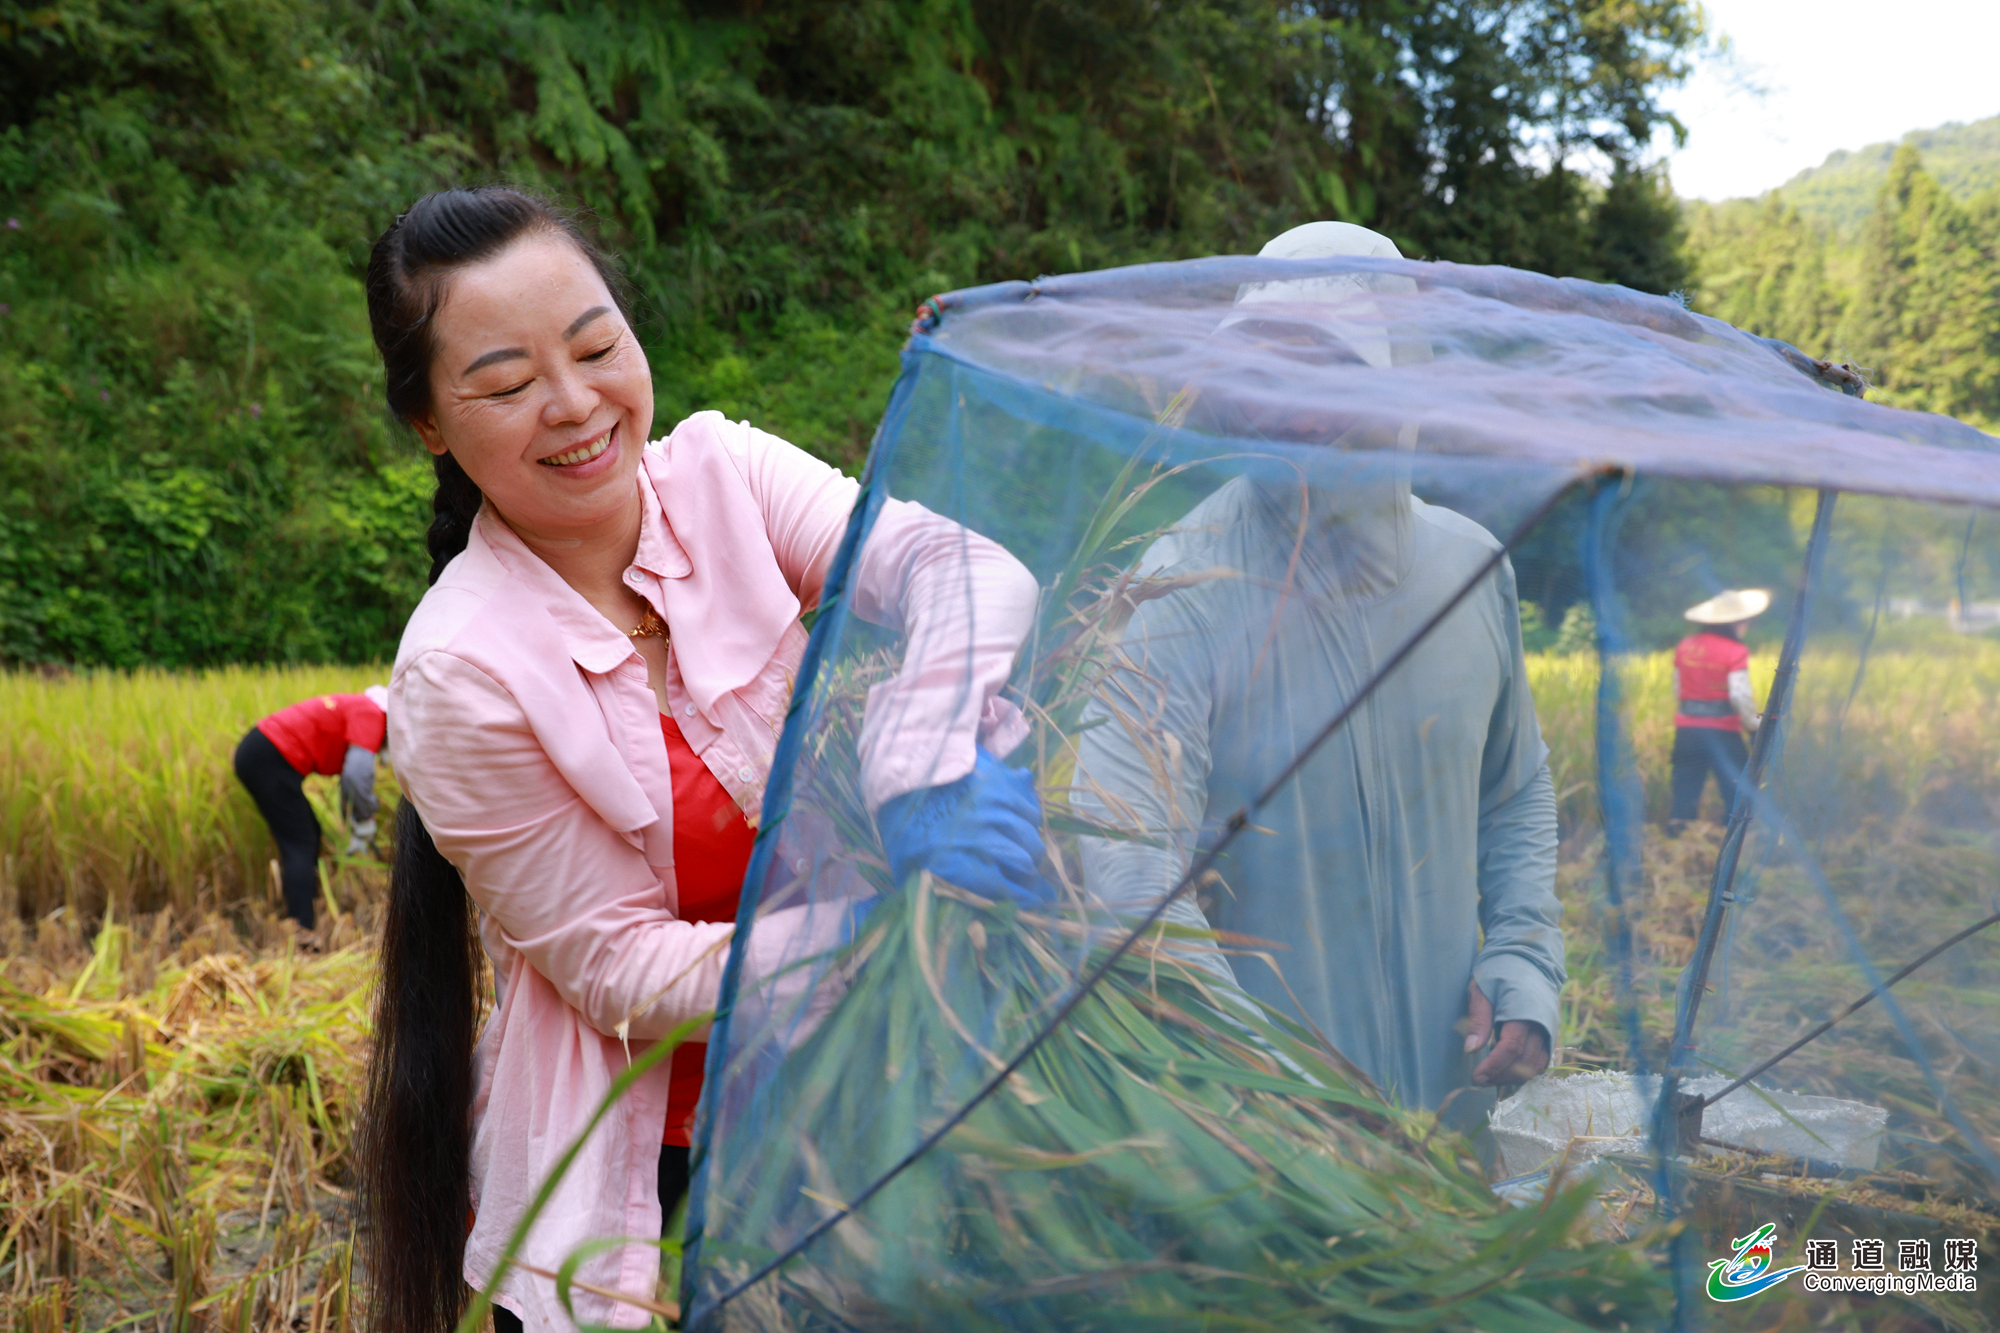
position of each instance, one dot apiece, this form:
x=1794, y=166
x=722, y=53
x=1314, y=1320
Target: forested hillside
x=1841, y=191
x=195, y=467
x=1910, y=296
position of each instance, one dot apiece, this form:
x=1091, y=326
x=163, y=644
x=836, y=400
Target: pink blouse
x=526, y=733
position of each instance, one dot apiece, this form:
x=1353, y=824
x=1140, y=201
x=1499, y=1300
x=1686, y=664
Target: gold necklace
x=650, y=626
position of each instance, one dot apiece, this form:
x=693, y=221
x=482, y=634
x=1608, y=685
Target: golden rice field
x=177, y=1088
x=116, y=789
x=174, y=1128
x=1921, y=734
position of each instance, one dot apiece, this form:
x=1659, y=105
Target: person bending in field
x=1408, y=870
x=584, y=709
x=331, y=734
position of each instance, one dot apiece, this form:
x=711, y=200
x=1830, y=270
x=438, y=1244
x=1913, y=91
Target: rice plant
x=175, y=1125
x=1171, y=1158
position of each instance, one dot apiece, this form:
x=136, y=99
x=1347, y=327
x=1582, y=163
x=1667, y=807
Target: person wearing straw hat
x=1713, y=702
x=329, y=734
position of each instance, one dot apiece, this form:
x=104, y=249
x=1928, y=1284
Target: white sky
x=1833, y=74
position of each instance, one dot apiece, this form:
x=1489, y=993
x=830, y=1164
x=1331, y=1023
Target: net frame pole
x=1621, y=807
x=1853, y=1007
x=1768, y=741
x=1620, y=803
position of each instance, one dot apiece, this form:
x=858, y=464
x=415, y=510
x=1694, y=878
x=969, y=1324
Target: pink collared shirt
x=527, y=735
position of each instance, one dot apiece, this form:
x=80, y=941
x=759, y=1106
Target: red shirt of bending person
x=329, y=734
x=1713, y=704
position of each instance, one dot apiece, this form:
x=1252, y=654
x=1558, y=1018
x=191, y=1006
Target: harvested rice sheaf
x=1172, y=1156
x=169, y=1153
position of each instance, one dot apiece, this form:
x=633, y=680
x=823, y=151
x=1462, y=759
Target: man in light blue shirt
x=1407, y=872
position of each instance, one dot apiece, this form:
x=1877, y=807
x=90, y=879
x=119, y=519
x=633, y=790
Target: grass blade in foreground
x=662, y=1049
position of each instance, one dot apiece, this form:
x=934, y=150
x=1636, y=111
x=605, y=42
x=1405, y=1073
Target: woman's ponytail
x=416, y=1139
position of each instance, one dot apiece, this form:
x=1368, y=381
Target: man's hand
x=1521, y=1053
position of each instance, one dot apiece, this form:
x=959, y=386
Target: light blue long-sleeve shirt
x=1427, y=819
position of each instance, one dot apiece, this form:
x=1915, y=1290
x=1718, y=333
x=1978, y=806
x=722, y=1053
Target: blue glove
x=982, y=833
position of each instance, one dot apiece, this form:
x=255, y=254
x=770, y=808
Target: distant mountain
x=1964, y=159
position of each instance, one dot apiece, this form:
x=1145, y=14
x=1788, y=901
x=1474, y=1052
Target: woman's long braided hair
x=416, y=1132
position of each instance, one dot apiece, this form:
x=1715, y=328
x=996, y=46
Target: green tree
x=193, y=463
x=1910, y=299
x=1929, y=284
x=1761, y=266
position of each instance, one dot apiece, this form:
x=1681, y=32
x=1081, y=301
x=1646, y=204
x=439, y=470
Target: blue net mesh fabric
x=1303, y=782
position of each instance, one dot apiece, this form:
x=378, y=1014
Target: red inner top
x=1704, y=660
x=711, y=852
x=314, y=735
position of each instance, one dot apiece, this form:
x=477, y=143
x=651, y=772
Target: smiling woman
x=545, y=393
x=584, y=708
x=542, y=396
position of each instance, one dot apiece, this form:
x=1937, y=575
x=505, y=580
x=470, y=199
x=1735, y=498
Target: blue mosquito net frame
x=1591, y=389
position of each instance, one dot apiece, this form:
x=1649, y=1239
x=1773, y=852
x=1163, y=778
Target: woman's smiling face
x=540, y=391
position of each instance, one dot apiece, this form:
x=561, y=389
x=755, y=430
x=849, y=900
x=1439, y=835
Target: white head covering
x=1342, y=304
x=1727, y=608
x=1358, y=523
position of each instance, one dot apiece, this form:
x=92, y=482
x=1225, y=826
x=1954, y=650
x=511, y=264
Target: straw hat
x=1727, y=608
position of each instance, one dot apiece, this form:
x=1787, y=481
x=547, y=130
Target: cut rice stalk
x=1188, y=1158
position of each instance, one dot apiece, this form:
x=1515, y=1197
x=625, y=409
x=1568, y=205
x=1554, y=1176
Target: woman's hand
x=982, y=833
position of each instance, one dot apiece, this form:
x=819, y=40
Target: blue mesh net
x=1351, y=683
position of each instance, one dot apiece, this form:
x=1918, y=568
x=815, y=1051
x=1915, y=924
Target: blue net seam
x=821, y=645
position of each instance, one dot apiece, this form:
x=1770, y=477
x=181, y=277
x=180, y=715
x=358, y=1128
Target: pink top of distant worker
x=531, y=741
